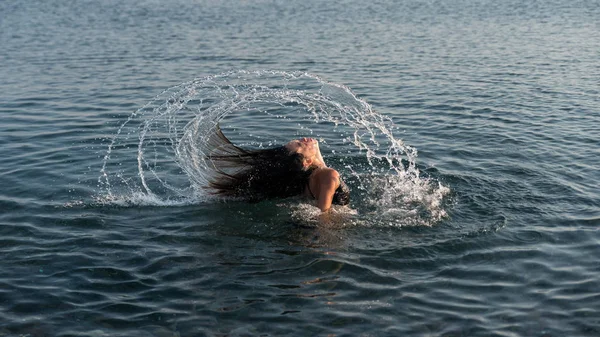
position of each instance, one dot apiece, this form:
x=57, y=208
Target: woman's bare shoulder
x=327, y=173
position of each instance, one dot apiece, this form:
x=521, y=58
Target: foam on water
x=158, y=155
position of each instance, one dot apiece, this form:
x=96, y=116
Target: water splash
x=158, y=155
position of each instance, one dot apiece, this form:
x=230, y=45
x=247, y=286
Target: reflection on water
x=491, y=232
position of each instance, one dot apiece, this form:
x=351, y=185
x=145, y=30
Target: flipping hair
x=255, y=174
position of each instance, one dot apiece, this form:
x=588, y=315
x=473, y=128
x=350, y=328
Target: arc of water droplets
x=206, y=101
x=319, y=104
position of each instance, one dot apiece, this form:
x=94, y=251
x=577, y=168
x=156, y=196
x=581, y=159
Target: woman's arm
x=328, y=181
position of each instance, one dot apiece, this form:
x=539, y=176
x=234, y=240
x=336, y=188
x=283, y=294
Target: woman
x=294, y=169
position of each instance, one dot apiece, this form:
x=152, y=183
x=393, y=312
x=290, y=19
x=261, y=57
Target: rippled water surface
x=467, y=131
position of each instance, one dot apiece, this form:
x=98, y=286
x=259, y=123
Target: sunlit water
x=467, y=132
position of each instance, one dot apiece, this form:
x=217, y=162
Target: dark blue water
x=496, y=236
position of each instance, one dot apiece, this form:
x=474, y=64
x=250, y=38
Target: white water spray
x=158, y=155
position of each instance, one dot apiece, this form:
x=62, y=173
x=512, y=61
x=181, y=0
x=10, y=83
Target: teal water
x=475, y=206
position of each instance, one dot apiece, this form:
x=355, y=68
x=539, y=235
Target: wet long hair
x=255, y=174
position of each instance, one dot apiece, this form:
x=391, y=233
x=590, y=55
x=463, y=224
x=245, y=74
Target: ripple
x=500, y=99
x=528, y=236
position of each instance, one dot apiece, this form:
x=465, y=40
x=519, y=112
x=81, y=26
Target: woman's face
x=308, y=147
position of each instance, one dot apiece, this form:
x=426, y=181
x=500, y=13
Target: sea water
x=466, y=131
